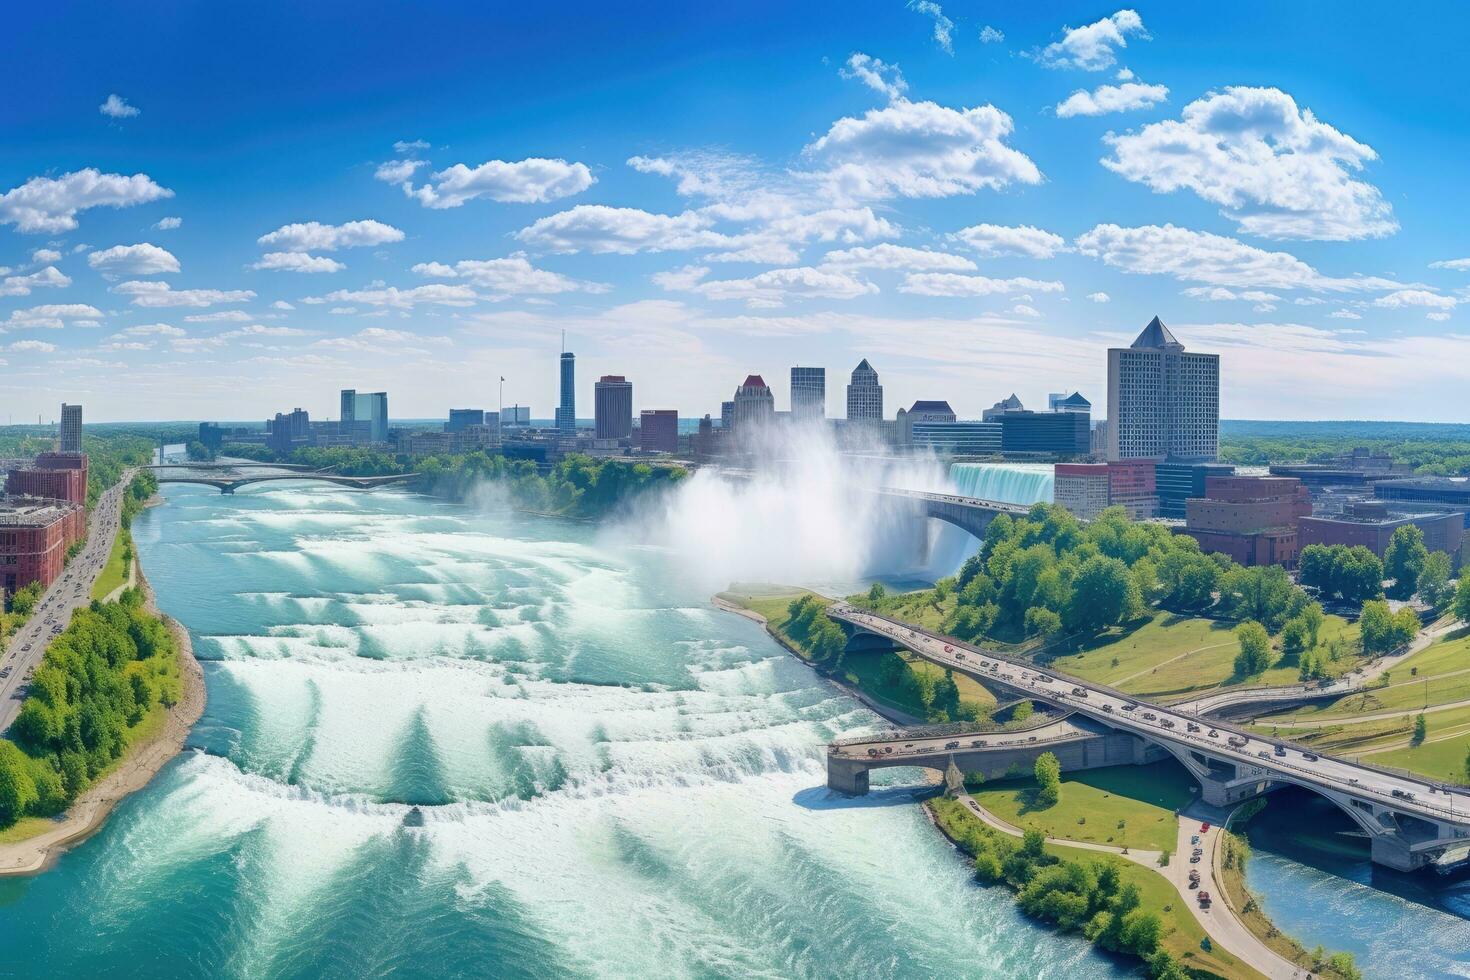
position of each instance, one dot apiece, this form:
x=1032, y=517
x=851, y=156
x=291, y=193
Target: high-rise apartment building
x=369, y=410
x=1163, y=402
x=566, y=408
x=612, y=399
x=808, y=393
x=754, y=406
x=864, y=395
x=71, y=429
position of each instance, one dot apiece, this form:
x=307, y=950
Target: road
x=71, y=590
x=1255, y=756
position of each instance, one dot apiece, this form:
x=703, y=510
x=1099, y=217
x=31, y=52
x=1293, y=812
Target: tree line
x=97, y=681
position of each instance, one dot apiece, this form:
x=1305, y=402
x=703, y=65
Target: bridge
x=971, y=514
x=229, y=478
x=1410, y=822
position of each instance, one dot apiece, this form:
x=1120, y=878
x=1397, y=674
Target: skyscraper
x=462, y=418
x=755, y=406
x=808, y=393
x=566, y=409
x=612, y=399
x=864, y=395
x=71, y=429
x=1163, y=402
x=369, y=408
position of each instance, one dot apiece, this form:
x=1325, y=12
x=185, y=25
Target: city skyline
x=438, y=226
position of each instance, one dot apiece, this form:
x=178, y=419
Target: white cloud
x=45, y=256
x=995, y=240
x=513, y=275
x=313, y=236
x=889, y=256
x=875, y=74
x=1459, y=265
x=1099, y=297
x=682, y=279
x=1196, y=256
x=773, y=287
x=920, y=149
x=623, y=231
x=168, y=224
x=1021, y=309
x=22, y=285
x=34, y=346
x=143, y=259
x=1219, y=294
x=1345, y=315
x=1416, y=297
x=52, y=316
x=153, y=330
x=410, y=146
x=220, y=316
x=50, y=204
x=951, y=284
x=381, y=338
x=1092, y=48
x=398, y=171
x=1112, y=98
x=297, y=262
x=281, y=304
x=1274, y=169
x=531, y=181
x=989, y=35
x=161, y=294
x=434, y=294
x=117, y=107
x=943, y=26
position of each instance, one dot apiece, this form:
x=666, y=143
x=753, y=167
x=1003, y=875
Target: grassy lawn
x=1438, y=758
x=1144, y=651
x=1143, y=799
x=1183, y=936
x=114, y=573
x=1443, y=676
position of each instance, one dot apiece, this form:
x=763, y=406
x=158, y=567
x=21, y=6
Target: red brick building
x=59, y=476
x=1371, y=523
x=1086, y=489
x=658, y=430
x=1252, y=519
x=35, y=534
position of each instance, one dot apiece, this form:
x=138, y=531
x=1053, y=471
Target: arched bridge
x=972, y=514
x=1410, y=821
x=229, y=479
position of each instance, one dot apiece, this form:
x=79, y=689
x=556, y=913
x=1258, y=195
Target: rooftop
x=1075, y=400
x=1156, y=336
x=931, y=406
x=32, y=511
x=753, y=381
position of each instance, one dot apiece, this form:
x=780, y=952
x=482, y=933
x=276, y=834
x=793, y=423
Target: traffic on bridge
x=1367, y=793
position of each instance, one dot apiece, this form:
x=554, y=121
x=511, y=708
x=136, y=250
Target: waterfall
x=1011, y=483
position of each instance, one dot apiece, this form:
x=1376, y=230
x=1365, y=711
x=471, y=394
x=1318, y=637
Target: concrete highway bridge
x=971, y=514
x=231, y=477
x=1411, y=822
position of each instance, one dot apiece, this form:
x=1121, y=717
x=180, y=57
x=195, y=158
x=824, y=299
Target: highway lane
x=71, y=590
x=1256, y=755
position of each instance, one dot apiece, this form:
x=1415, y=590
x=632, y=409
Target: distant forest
x=1431, y=448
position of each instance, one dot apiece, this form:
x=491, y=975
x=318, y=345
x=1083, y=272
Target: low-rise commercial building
x=1252, y=519
x=1059, y=433
x=1178, y=481
x=1451, y=492
x=1087, y=489
x=1371, y=523
x=58, y=476
x=959, y=438
x=35, y=533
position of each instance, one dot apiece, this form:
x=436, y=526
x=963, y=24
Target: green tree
x=1313, y=616
x=1255, y=649
x=1022, y=711
x=1382, y=629
x=1434, y=580
x=1048, y=772
x=1421, y=728
x=17, y=786
x=1294, y=635
x=1042, y=622
x=1462, y=599
x=1100, y=595
x=1404, y=560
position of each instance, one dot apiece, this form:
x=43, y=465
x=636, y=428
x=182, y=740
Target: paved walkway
x=1220, y=922
x=1149, y=670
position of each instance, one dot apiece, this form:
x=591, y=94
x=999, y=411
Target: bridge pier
x=847, y=776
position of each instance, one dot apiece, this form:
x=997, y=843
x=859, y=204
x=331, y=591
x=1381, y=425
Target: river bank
x=89, y=812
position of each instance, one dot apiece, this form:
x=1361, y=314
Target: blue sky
x=215, y=212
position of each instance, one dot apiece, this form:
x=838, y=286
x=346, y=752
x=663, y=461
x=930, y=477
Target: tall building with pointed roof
x=754, y=405
x=1163, y=401
x=864, y=395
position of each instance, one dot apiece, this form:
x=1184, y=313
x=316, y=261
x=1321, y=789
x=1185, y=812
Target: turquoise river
x=449, y=740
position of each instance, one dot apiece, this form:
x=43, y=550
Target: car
x=948, y=648
x=1263, y=754
x=888, y=749
x=1198, y=852
x=1204, y=900
x=1204, y=828
x=1194, y=859
x=1281, y=751
x=1149, y=716
x=1309, y=757
x=959, y=656
x=1042, y=678
x=1191, y=726
x=1130, y=706
x=1079, y=692
x=1108, y=708
x=977, y=743
x=1168, y=723
x=1194, y=839
x=872, y=752
x=1403, y=794
x=1212, y=733
x=1031, y=739
x=951, y=745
